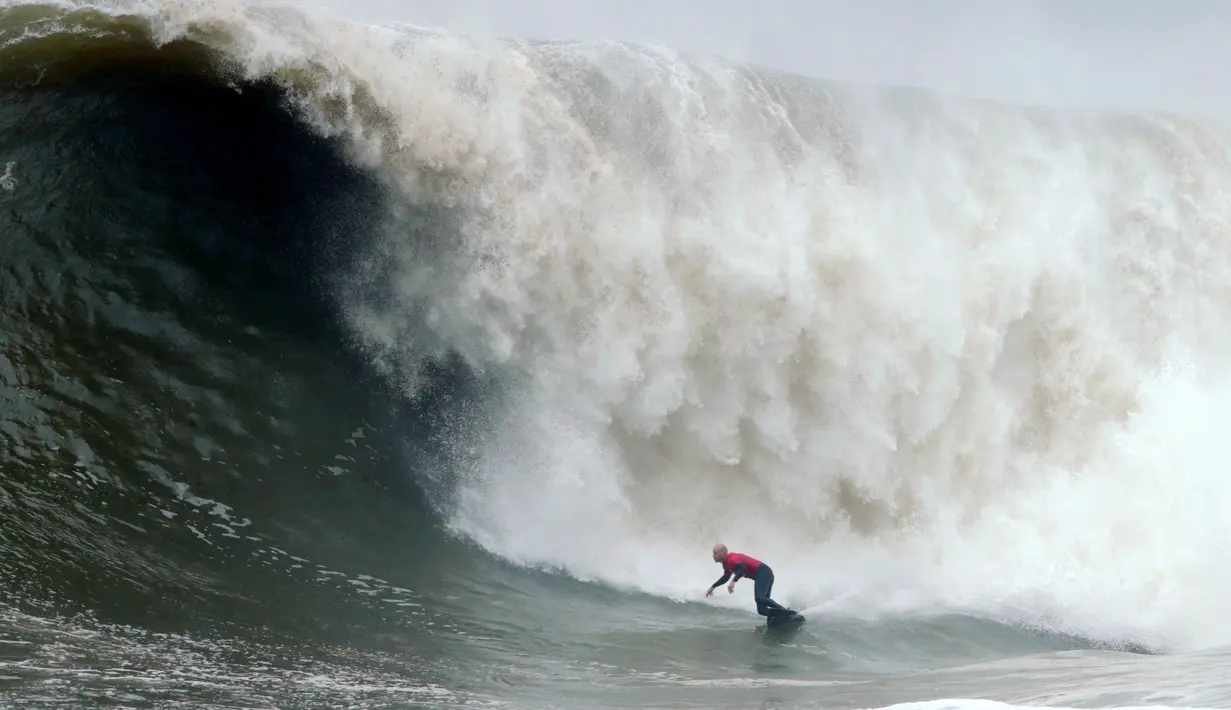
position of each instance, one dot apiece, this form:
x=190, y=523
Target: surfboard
x=784, y=620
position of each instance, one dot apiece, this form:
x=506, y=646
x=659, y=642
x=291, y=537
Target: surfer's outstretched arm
x=739, y=570
x=717, y=584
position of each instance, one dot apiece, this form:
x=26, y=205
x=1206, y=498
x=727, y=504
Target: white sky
x=1162, y=53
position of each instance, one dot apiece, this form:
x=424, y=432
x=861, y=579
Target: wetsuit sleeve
x=739, y=572
x=723, y=578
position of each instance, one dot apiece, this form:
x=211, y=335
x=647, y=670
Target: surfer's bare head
x=720, y=552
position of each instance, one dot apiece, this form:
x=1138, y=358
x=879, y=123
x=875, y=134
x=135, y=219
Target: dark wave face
x=350, y=381
x=187, y=444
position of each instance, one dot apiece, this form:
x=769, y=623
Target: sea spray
x=893, y=345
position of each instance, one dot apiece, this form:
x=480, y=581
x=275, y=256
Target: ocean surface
x=350, y=366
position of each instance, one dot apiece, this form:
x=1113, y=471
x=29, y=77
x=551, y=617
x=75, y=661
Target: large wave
x=913, y=351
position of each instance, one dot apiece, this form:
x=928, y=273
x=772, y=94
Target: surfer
x=733, y=563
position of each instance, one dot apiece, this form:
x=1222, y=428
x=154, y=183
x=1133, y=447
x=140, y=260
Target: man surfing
x=733, y=563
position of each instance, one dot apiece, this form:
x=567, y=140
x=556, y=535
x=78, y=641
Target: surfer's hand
x=709, y=592
x=731, y=588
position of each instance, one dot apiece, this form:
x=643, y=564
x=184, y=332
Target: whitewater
x=926, y=355
x=917, y=351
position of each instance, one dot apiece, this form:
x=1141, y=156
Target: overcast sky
x=1164, y=53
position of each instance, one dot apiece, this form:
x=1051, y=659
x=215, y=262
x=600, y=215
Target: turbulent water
x=350, y=366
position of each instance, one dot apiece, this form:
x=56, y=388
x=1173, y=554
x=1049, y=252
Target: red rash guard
x=739, y=565
x=735, y=559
